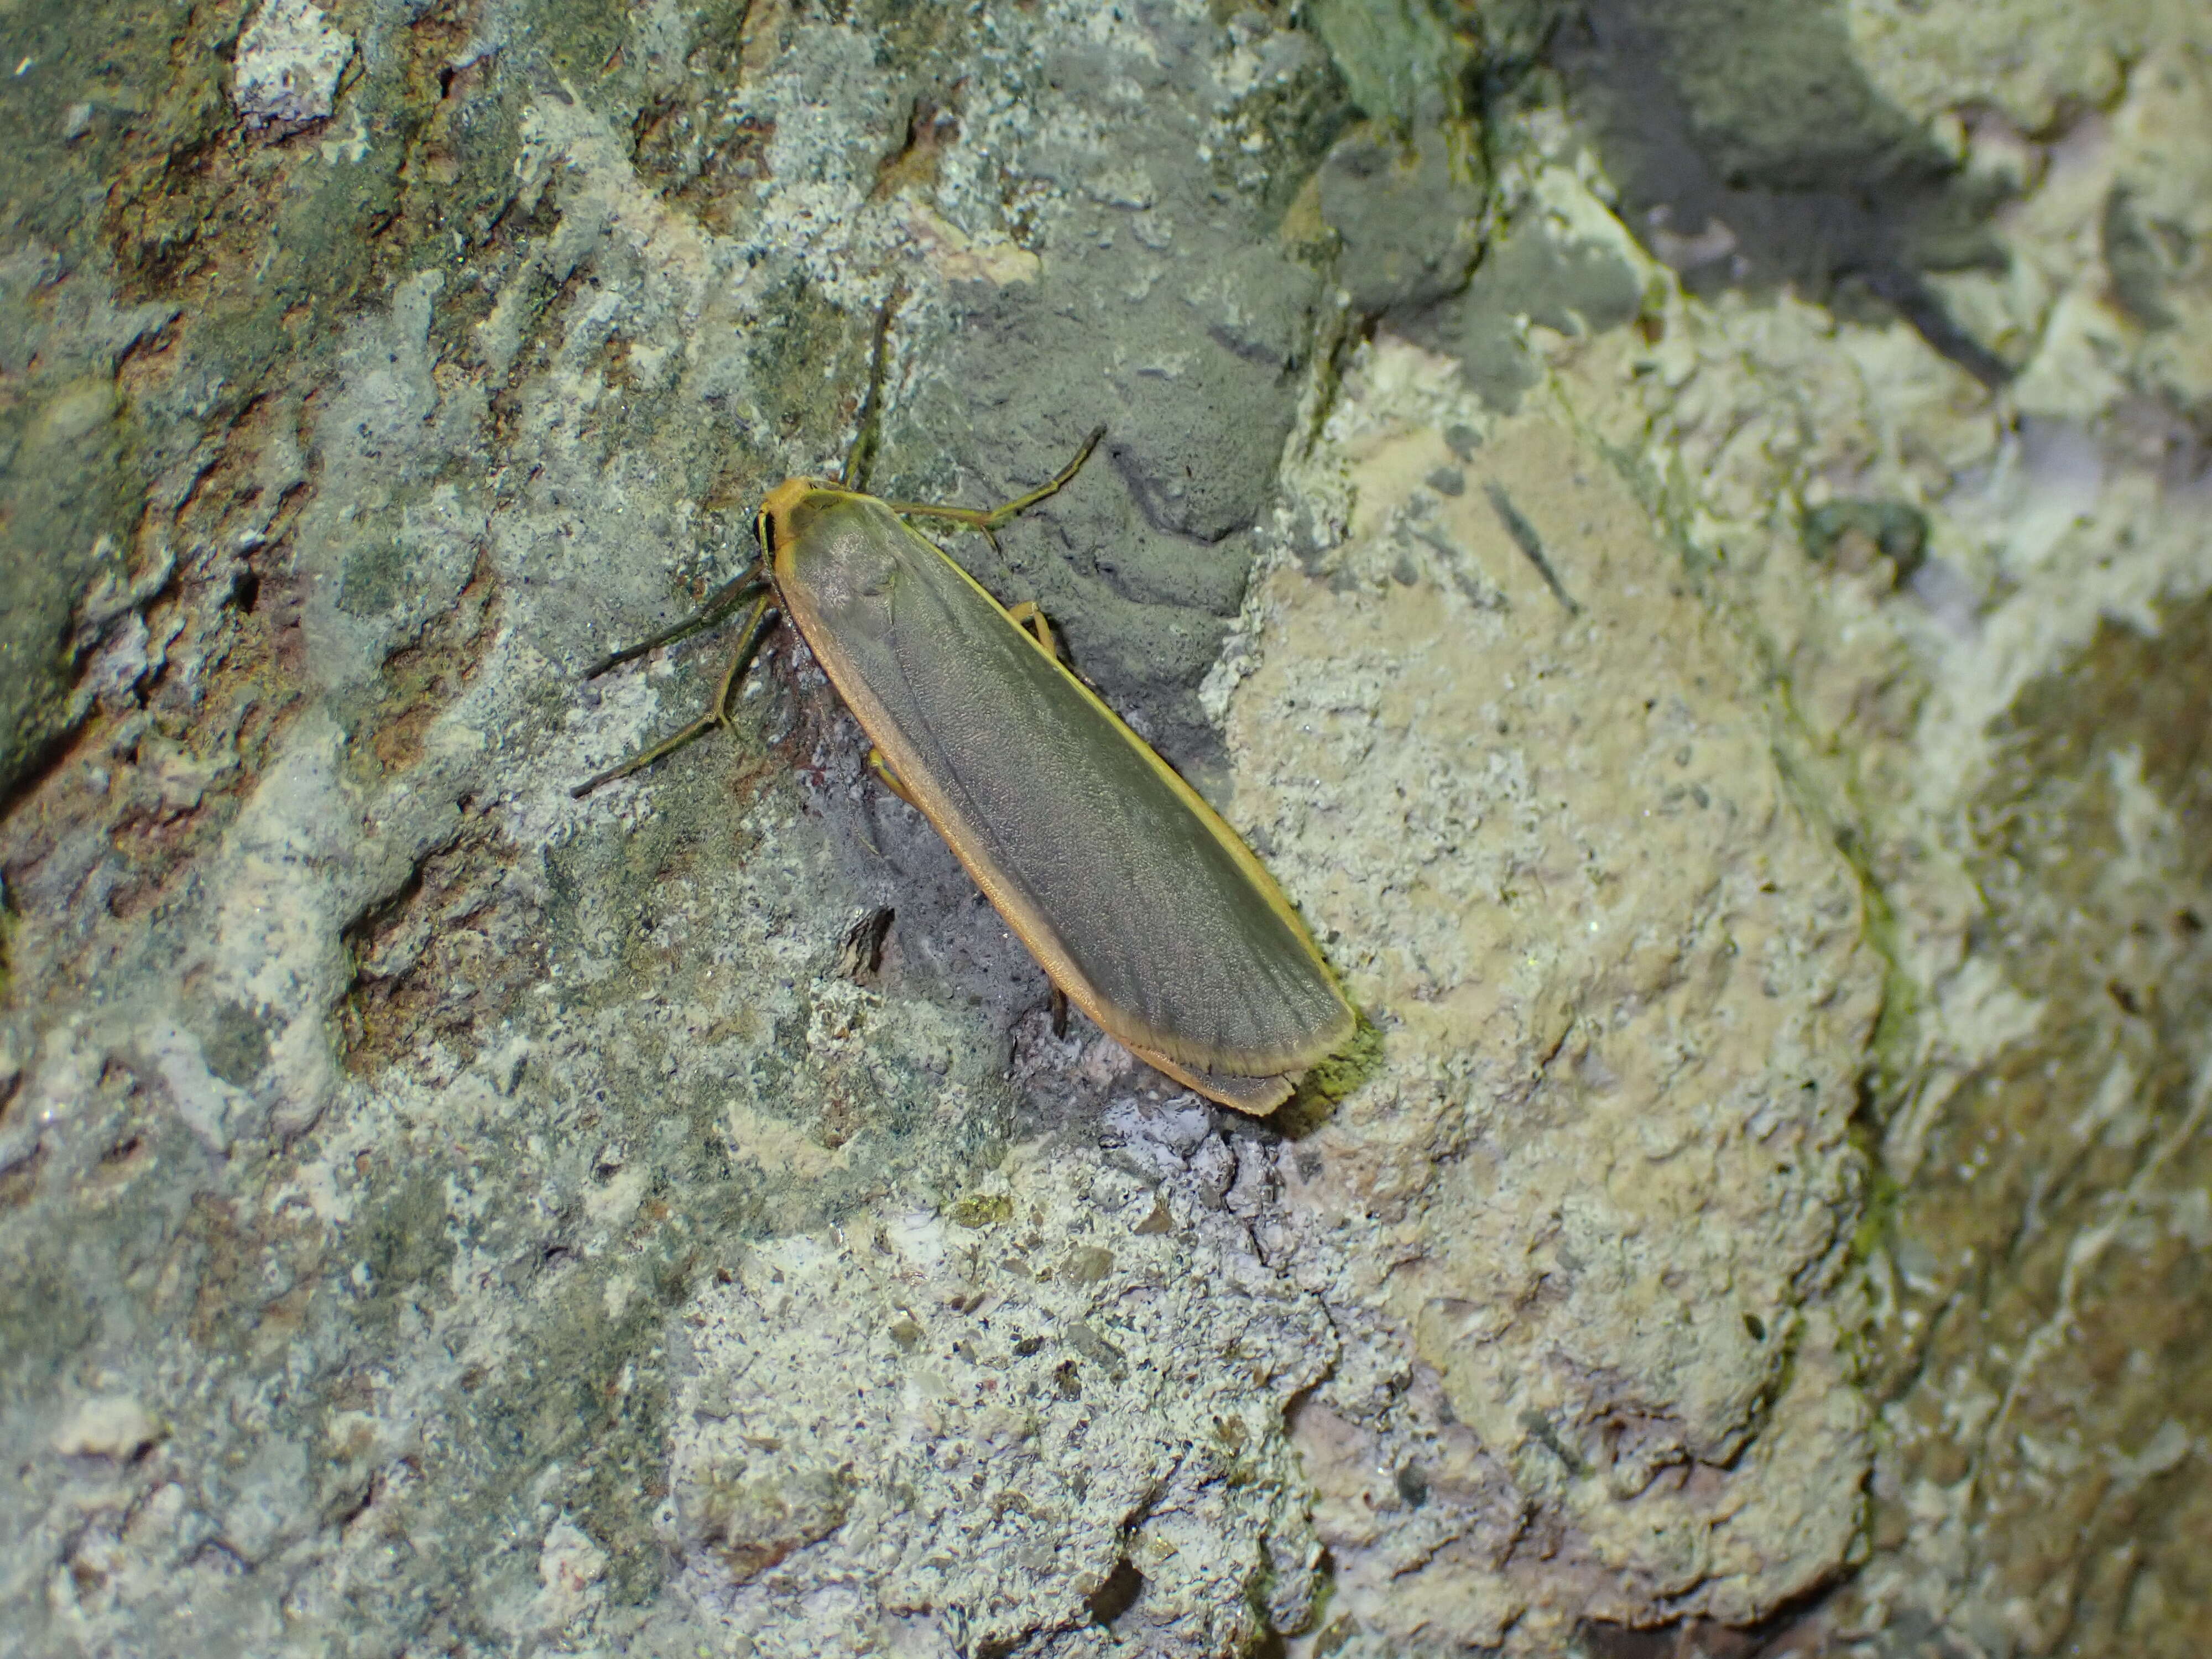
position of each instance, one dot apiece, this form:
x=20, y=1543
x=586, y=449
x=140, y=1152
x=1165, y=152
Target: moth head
x=787, y=512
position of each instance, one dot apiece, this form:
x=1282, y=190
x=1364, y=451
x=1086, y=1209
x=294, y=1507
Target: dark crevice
x=1117, y=1595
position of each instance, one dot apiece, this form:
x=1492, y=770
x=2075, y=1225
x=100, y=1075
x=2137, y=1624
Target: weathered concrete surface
x=437, y=1213
x=1601, y=1189
x=2015, y=739
x=431, y=1099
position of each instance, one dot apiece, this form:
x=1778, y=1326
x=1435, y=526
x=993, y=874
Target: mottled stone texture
x=1680, y=532
x=1601, y=1181
x=2012, y=728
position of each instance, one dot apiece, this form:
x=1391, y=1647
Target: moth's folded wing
x=1257, y=1095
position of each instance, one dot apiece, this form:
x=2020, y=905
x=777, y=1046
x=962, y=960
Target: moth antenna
x=867, y=437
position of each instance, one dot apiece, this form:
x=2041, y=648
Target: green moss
x=920, y=36
x=45, y=1316
x=1827, y=798
x=1332, y=1080
x=73, y=499
x=10, y=923
x=1295, y=118
x=235, y=1042
x=577, y=40
x=1403, y=65
x=1854, y=533
x=406, y=1246
x=983, y=1210
x=815, y=344
x=376, y=578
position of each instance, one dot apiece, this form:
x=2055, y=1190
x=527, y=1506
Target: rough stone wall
x=1680, y=532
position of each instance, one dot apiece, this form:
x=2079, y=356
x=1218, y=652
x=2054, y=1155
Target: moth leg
x=723, y=600
x=1027, y=615
x=1000, y=514
x=761, y=618
x=988, y=520
x=889, y=779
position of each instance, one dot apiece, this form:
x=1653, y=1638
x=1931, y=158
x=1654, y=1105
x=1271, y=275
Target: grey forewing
x=1145, y=901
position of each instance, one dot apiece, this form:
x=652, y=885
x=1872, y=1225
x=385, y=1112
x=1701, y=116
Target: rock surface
x=288, y=61
x=1678, y=532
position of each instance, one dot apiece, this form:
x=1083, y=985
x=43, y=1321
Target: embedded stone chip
x=289, y=62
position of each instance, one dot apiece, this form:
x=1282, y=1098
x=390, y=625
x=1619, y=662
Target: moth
x=1142, y=905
